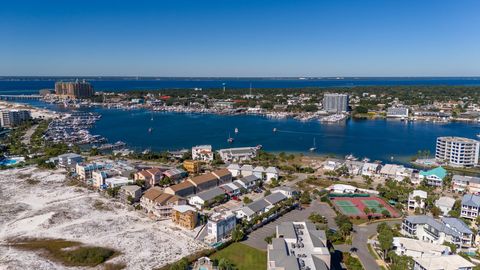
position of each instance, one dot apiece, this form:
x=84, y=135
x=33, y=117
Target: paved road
x=299, y=177
x=28, y=135
x=360, y=239
x=257, y=238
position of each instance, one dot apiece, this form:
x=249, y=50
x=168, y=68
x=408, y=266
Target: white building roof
x=450, y=262
x=420, y=193
x=419, y=245
x=445, y=201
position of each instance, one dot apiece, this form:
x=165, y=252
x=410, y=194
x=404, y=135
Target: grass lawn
x=244, y=257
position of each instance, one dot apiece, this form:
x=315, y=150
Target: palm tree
x=225, y=264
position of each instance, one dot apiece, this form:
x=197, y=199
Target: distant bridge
x=12, y=97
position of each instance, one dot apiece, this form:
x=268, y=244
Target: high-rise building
x=457, y=151
x=76, y=89
x=335, y=103
x=11, y=118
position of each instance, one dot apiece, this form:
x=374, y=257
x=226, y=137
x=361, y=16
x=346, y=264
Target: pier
x=13, y=97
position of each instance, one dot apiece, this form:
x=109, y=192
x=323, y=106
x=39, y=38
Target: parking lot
x=257, y=238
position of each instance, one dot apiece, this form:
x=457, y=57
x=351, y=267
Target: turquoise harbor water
x=376, y=139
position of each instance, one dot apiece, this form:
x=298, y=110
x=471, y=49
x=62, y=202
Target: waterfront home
x=130, y=191
x=289, y=192
x=298, y=245
x=434, y=231
x=239, y=154
x=417, y=248
x=248, y=182
x=117, y=181
x=332, y=164
x=272, y=173
x=175, y=174
x=447, y=262
x=206, y=197
x=434, y=177
x=354, y=167
x=396, y=172
x=151, y=176
x=183, y=189
x=445, y=204
x=220, y=225
x=232, y=189
x=463, y=183
x=160, y=204
x=470, y=206
x=185, y=216
x=264, y=174
x=202, y=152
x=192, y=166
x=416, y=199
x=371, y=169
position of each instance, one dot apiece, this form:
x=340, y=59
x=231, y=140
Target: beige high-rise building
x=76, y=89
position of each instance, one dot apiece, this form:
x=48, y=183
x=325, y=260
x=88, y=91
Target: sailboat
x=314, y=147
x=150, y=130
x=274, y=130
x=230, y=139
x=236, y=130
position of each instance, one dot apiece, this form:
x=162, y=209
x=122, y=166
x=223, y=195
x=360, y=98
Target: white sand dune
x=50, y=209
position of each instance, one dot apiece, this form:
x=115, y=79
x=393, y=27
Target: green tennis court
x=347, y=207
x=374, y=204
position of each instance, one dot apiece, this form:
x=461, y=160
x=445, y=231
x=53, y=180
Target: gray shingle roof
x=471, y=200
x=258, y=206
x=469, y=179
x=210, y=194
x=450, y=226
x=275, y=198
x=248, y=179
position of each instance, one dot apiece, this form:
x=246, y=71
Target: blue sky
x=241, y=38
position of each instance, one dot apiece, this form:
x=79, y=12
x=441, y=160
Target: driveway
x=256, y=238
x=360, y=240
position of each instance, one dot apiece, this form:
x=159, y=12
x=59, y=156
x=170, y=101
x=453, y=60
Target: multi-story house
x=185, y=216
x=462, y=183
x=447, y=262
x=159, y=204
x=202, y=152
x=470, y=206
x=412, y=199
x=220, y=225
x=430, y=230
x=434, y=177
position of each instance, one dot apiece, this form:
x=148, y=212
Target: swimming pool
x=11, y=161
